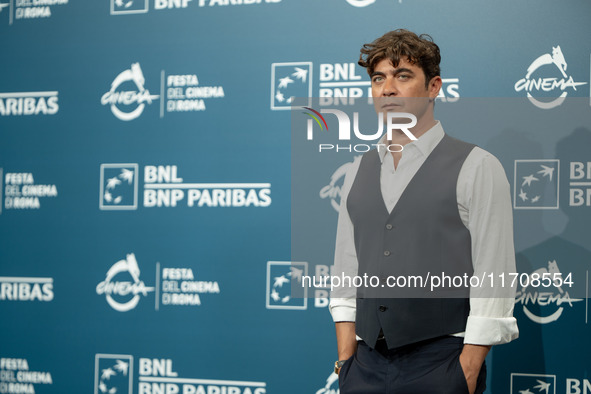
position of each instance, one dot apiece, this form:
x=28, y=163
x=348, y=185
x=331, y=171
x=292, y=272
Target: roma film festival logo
x=551, y=83
x=122, y=7
x=331, y=386
x=119, y=187
x=535, y=184
x=333, y=190
x=284, y=285
x=123, y=295
x=113, y=374
x=526, y=383
x=290, y=80
x=544, y=304
x=128, y=104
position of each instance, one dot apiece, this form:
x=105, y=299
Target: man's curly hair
x=399, y=44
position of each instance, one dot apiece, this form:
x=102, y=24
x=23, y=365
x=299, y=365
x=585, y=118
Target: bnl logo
x=113, y=374
x=118, y=187
x=524, y=383
x=284, y=285
x=535, y=184
x=122, y=7
x=288, y=81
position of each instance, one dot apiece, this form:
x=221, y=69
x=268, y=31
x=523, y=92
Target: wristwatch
x=337, y=365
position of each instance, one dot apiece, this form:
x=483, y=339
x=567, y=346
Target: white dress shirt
x=485, y=208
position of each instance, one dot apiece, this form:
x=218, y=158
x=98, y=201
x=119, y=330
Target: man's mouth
x=389, y=106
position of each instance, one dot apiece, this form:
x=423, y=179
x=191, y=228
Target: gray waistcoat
x=423, y=234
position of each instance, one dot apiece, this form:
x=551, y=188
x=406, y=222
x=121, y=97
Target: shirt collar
x=424, y=144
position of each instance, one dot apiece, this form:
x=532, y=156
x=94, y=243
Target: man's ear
x=434, y=87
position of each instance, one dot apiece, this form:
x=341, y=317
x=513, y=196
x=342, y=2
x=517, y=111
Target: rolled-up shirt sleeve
x=343, y=299
x=490, y=221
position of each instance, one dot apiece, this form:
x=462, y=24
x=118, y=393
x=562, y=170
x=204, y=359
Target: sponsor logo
x=122, y=7
x=29, y=9
x=536, y=184
x=578, y=386
x=175, y=286
x=180, y=287
x=541, y=304
x=21, y=191
x=290, y=80
x=284, y=285
x=26, y=289
x=332, y=191
x=17, y=377
x=331, y=386
x=122, y=294
x=580, y=184
x=162, y=187
x=113, y=373
x=524, y=383
x=128, y=97
x=449, y=92
x=29, y=103
x=559, y=86
x=338, y=83
x=185, y=94
x=119, y=187
x=128, y=104
x=211, y=3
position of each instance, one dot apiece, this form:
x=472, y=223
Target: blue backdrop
x=145, y=194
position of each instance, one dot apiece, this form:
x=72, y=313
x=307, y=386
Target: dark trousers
x=427, y=367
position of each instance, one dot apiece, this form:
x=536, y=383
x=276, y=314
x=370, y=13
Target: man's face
x=390, y=86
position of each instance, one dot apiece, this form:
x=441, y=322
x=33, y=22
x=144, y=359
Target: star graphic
x=112, y=182
x=283, y=82
x=126, y=175
x=523, y=195
x=122, y=366
x=274, y=295
x=107, y=373
x=535, y=199
x=542, y=386
x=546, y=171
x=525, y=392
x=300, y=74
x=280, y=280
x=527, y=180
x=279, y=97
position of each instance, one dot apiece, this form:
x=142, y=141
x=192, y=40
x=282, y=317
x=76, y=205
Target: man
x=439, y=200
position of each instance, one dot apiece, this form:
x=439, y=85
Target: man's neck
x=398, y=136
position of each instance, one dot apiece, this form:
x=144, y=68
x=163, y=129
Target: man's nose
x=390, y=87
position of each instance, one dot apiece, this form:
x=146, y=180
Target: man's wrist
x=338, y=365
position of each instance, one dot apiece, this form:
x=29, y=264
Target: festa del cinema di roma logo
x=123, y=295
x=549, y=84
x=128, y=104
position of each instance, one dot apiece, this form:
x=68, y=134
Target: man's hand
x=471, y=360
x=346, y=340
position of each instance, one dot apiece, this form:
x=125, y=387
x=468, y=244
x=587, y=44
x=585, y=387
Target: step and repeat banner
x=146, y=185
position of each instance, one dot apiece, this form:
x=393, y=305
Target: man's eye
x=403, y=76
x=377, y=79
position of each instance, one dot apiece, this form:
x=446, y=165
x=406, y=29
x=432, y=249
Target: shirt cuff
x=490, y=330
x=343, y=310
